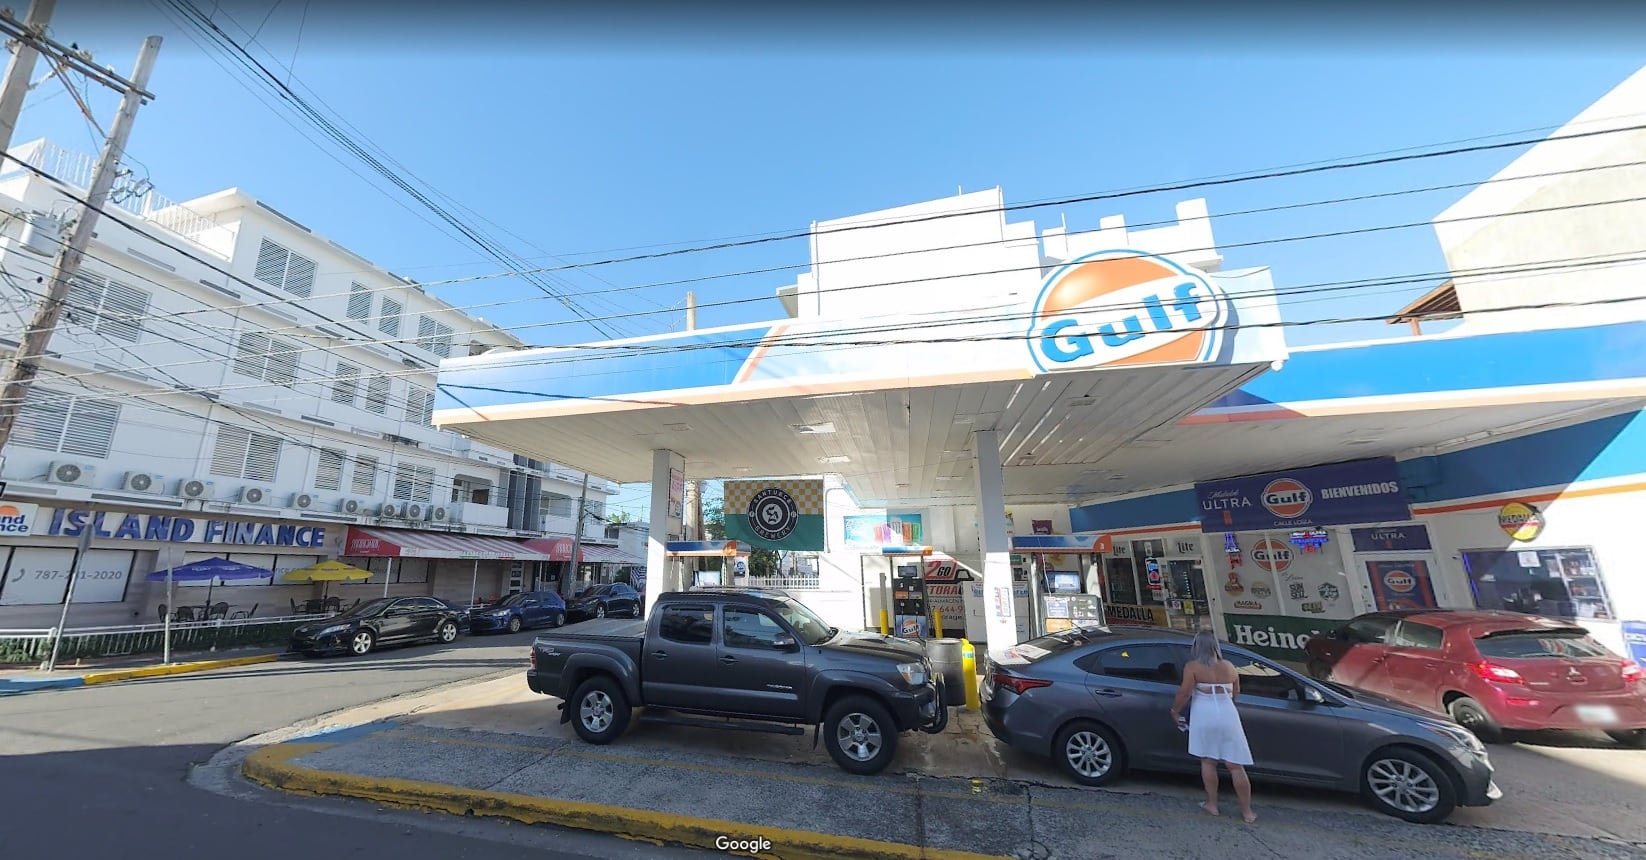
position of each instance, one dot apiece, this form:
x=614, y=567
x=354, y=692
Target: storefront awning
x=596, y=554
x=555, y=548
x=393, y=543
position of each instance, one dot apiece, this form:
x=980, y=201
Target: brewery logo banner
x=1362, y=491
x=774, y=514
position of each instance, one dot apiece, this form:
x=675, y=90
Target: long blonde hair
x=1206, y=649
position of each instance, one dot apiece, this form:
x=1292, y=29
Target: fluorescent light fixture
x=950, y=478
x=810, y=429
x=1148, y=443
x=678, y=428
x=834, y=458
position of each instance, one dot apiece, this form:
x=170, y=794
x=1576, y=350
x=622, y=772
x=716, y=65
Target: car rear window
x=1040, y=648
x=1536, y=644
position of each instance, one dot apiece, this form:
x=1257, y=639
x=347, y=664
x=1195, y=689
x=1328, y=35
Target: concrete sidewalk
x=695, y=786
x=14, y=680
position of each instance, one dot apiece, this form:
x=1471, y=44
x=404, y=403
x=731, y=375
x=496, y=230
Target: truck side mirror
x=785, y=642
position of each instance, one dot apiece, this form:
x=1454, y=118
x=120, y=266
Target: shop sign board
x=785, y=515
x=164, y=528
x=17, y=518
x=1411, y=538
x=1401, y=585
x=1275, y=635
x=1360, y=491
x=1125, y=613
x=876, y=530
x=1520, y=521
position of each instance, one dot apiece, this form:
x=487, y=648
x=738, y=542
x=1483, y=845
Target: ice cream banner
x=776, y=514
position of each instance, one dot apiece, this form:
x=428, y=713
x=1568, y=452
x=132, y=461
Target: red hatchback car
x=1491, y=671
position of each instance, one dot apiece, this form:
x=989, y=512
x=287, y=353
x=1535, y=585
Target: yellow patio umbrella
x=327, y=571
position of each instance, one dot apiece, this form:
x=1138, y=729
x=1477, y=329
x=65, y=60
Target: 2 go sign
x=1126, y=308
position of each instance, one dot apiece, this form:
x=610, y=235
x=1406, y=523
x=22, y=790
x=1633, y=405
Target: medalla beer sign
x=1361, y=491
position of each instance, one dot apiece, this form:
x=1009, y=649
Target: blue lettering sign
x=97, y=526
x=176, y=529
x=286, y=535
x=242, y=533
x=129, y=528
x=159, y=527
x=265, y=535
x=1079, y=346
x=214, y=531
x=182, y=529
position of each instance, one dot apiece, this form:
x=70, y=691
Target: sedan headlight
x=1459, y=735
x=501, y=613
x=914, y=673
x=335, y=628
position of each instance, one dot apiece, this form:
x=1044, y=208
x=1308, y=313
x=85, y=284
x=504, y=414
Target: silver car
x=1098, y=701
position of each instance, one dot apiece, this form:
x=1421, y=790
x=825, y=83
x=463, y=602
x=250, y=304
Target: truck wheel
x=860, y=735
x=601, y=712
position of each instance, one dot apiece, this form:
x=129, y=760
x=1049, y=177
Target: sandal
x=1208, y=810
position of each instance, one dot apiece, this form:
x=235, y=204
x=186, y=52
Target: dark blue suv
x=520, y=611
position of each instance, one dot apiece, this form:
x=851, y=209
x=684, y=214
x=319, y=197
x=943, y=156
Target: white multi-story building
x=228, y=382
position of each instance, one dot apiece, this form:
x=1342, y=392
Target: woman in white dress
x=1210, y=685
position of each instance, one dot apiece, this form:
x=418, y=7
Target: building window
x=434, y=336
x=267, y=358
x=388, y=321
x=109, y=308
x=242, y=453
x=365, y=476
x=419, y=406
x=328, y=475
x=346, y=384
x=281, y=268
x=377, y=395
x=1564, y=582
x=560, y=506
x=413, y=483
x=359, y=302
x=53, y=421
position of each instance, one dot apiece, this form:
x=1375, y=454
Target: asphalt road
x=101, y=771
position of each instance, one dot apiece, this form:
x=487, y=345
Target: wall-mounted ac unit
x=350, y=506
x=80, y=474
x=255, y=496
x=440, y=514
x=390, y=509
x=143, y=482
x=194, y=488
x=302, y=501
x=414, y=512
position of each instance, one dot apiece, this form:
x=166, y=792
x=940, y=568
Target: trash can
x=949, y=664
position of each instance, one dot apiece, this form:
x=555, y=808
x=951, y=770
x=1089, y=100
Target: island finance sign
x=1361, y=491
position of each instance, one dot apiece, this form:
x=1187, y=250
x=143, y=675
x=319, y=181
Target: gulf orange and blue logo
x=1126, y=308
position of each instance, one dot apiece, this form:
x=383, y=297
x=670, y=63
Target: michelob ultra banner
x=776, y=514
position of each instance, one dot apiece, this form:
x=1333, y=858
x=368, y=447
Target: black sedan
x=1098, y=701
x=613, y=600
x=387, y=620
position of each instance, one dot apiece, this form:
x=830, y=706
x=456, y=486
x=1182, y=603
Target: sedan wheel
x=514, y=624
x=361, y=644
x=1408, y=785
x=1469, y=714
x=448, y=632
x=1089, y=753
x=600, y=611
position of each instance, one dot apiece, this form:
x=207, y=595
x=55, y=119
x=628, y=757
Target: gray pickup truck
x=742, y=659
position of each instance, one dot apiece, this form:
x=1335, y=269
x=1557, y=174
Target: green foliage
x=763, y=562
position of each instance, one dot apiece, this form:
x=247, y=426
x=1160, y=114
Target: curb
x=28, y=685
x=272, y=767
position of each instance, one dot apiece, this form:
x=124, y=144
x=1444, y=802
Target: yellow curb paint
x=175, y=669
x=272, y=767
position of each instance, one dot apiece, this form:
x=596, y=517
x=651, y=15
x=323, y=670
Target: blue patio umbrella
x=209, y=571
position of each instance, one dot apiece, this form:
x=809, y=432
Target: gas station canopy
x=1114, y=345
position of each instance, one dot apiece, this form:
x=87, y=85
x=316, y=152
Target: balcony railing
x=134, y=196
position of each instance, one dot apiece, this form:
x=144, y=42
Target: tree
x=764, y=562
x=714, y=523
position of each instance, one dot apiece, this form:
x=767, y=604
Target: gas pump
x=1062, y=599
x=903, y=592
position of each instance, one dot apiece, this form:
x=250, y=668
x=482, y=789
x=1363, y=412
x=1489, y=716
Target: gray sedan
x=1097, y=701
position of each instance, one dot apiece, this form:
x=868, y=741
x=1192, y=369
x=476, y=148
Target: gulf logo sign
x=15, y=518
x=1272, y=555
x=1400, y=581
x=1126, y=308
x=1287, y=498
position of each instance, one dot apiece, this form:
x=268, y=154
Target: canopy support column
x=667, y=511
x=995, y=544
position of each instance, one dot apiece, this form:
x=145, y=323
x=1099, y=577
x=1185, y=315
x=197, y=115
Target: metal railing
x=136, y=197
x=786, y=583
x=87, y=643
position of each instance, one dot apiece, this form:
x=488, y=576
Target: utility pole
x=23, y=365
x=20, y=68
x=577, y=527
x=692, y=521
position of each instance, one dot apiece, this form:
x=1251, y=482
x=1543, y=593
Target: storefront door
x=1185, y=583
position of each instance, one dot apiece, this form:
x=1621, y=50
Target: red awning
x=560, y=549
x=394, y=543
x=555, y=548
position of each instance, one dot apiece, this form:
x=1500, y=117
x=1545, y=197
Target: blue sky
x=616, y=136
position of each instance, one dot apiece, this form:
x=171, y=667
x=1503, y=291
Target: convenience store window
x=1561, y=582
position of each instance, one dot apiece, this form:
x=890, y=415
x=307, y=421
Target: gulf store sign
x=1119, y=308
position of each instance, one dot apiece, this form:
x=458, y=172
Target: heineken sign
x=1274, y=635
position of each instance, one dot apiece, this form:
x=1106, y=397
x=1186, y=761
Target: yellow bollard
x=968, y=667
x=937, y=623
x=884, y=627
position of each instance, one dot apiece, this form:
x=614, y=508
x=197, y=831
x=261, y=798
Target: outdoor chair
x=217, y=610
x=183, y=613
x=314, y=607
x=334, y=604
x=162, y=612
x=247, y=613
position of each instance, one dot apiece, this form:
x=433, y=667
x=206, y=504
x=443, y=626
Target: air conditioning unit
x=143, y=482
x=302, y=501
x=71, y=473
x=414, y=512
x=194, y=488
x=350, y=506
x=255, y=496
x=389, y=509
x=440, y=514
